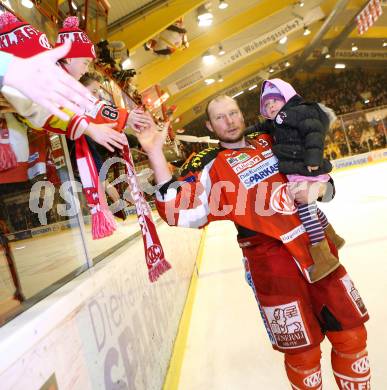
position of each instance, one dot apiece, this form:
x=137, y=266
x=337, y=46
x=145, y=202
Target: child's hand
x=312, y=168
x=104, y=135
x=137, y=120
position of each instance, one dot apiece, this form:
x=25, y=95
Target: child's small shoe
x=334, y=237
x=324, y=261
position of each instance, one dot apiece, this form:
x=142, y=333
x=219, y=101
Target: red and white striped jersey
x=241, y=185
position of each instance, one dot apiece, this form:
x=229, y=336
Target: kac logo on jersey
x=280, y=117
x=281, y=201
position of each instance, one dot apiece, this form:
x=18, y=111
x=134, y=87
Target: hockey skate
x=324, y=261
x=334, y=237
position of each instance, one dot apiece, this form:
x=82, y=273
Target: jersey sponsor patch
x=281, y=201
x=354, y=295
x=190, y=179
x=247, y=164
x=294, y=233
x=287, y=325
x=260, y=172
x=250, y=282
x=267, y=153
x=238, y=159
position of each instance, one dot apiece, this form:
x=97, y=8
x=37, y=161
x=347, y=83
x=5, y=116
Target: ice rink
x=227, y=347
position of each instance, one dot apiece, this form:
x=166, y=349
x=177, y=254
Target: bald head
x=218, y=99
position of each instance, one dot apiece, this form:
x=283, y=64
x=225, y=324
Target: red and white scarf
x=154, y=253
x=7, y=155
x=103, y=223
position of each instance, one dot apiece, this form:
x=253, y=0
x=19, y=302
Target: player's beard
x=229, y=138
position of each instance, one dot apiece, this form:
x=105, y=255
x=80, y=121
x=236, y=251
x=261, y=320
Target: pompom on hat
x=81, y=47
x=20, y=38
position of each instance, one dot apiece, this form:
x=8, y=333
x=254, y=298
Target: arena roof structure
x=249, y=32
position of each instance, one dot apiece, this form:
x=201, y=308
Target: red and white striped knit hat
x=20, y=38
x=82, y=46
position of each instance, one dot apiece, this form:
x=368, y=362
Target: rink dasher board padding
x=360, y=159
x=45, y=229
x=108, y=328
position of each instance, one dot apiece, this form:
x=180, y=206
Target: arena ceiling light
x=271, y=70
x=222, y=4
x=306, y=31
x=253, y=87
x=27, y=3
x=301, y=3
x=220, y=79
x=208, y=58
x=209, y=81
x=384, y=44
x=204, y=16
x=204, y=22
x=221, y=51
x=339, y=66
x=354, y=47
x=327, y=56
x=283, y=40
x=287, y=64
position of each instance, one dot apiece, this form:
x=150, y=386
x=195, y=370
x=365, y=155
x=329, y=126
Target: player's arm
x=309, y=192
x=264, y=127
x=180, y=201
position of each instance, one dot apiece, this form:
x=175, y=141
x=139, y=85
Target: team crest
x=281, y=201
x=361, y=366
x=313, y=380
x=154, y=254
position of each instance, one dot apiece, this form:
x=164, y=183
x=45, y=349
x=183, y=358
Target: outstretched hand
x=104, y=135
x=150, y=136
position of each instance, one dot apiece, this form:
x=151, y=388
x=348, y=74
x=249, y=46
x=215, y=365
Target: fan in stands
x=168, y=41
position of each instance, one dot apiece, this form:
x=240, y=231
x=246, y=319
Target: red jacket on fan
x=240, y=185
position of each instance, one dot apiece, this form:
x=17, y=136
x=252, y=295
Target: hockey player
x=240, y=181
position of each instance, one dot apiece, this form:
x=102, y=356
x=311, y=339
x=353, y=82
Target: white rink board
x=108, y=329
